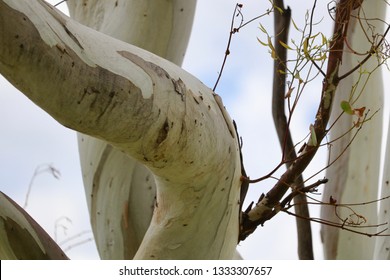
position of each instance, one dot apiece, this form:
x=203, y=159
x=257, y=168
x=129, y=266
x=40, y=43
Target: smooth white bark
x=354, y=177
x=161, y=27
x=382, y=244
x=143, y=105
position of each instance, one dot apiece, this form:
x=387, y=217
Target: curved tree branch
x=144, y=105
x=163, y=28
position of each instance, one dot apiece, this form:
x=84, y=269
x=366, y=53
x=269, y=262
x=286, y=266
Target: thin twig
x=39, y=170
x=60, y=3
x=341, y=226
x=370, y=54
x=310, y=32
x=232, y=31
x=73, y=237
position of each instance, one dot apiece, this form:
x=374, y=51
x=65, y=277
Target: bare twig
x=310, y=32
x=234, y=30
x=59, y=223
x=60, y=3
x=39, y=170
x=345, y=223
x=343, y=226
x=76, y=244
x=370, y=54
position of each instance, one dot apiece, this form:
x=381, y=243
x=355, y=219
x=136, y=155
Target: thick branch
x=102, y=87
x=163, y=28
x=142, y=104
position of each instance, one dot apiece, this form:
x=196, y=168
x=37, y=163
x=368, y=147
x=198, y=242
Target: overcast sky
x=31, y=138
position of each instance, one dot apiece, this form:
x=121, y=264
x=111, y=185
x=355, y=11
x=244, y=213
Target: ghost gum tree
x=355, y=176
x=160, y=156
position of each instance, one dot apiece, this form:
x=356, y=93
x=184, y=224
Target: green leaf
x=295, y=25
x=324, y=40
x=279, y=9
x=346, y=107
x=263, y=29
x=271, y=46
x=306, y=48
x=261, y=42
x=285, y=45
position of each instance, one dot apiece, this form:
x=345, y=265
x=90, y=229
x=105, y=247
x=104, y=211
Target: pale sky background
x=30, y=137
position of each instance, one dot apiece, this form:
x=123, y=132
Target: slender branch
x=39, y=170
x=282, y=18
x=310, y=32
x=370, y=54
x=60, y=3
x=232, y=31
x=264, y=208
x=308, y=189
x=286, y=201
x=342, y=226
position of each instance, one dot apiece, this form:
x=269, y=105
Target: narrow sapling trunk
x=354, y=173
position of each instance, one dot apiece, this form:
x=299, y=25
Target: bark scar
x=163, y=133
x=180, y=87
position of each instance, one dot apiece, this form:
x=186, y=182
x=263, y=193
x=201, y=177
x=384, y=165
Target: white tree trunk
x=143, y=105
x=382, y=244
x=353, y=178
x=161, y=27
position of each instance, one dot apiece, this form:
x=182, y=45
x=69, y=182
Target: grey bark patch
x=180, y=87
x=163, y=133
x=145, y=64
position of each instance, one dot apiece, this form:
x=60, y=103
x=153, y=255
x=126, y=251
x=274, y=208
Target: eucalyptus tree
x=160, y=156
x=354, y=176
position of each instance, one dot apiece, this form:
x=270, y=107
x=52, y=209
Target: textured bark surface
x=354, y=177
x=143, y=105
x=161, y=27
